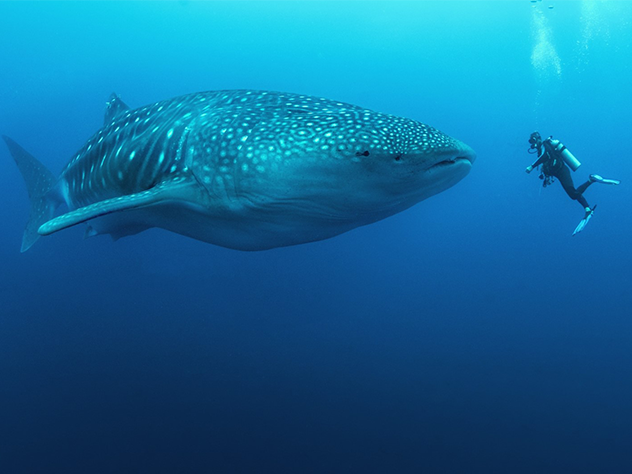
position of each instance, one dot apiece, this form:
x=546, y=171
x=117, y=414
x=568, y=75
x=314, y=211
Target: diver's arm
x=541, y=159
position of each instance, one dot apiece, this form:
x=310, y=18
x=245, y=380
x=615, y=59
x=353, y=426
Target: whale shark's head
x=404, y=161
x=321, y=167
x=358, y=164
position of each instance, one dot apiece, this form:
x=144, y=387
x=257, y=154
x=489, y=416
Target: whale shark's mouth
x=463, y=156
x=451, y=162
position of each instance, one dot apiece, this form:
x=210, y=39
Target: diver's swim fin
x=585, y=220
x=595, y=178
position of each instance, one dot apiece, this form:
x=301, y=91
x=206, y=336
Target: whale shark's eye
x=398, y=157
x=364, y=153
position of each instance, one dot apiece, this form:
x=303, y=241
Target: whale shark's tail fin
x=39, y=183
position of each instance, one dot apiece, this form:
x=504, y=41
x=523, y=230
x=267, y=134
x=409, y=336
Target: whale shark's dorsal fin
x=114, y=107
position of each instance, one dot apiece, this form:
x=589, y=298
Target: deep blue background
x=470, y=333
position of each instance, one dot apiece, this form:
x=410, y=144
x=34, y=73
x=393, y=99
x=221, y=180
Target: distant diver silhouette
x=556, y=160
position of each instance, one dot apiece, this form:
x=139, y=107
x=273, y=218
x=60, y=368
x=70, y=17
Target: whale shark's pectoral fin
x=168, y=190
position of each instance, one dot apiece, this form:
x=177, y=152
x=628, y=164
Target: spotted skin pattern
x=255, y=169
x=233, y=136
x=132, y=153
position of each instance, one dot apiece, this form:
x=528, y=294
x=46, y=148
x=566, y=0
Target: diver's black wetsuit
x=553, y=165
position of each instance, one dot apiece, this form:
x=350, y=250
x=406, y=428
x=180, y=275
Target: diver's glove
x=529, y=169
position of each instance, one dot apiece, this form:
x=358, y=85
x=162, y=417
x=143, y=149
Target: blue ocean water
x=470, y=333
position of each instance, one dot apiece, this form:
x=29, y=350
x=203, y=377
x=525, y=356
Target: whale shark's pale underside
x=248, y=170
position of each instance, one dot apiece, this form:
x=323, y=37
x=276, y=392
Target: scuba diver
x=556, y=159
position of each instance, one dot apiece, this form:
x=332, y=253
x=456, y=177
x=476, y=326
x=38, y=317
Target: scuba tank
x=572, y=162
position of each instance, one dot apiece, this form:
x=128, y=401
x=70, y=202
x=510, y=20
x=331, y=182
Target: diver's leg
x=582, y=189
x=564, y=175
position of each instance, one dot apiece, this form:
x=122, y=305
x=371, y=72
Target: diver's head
x=535, y=140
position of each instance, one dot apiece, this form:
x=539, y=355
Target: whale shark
x=243, y=169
